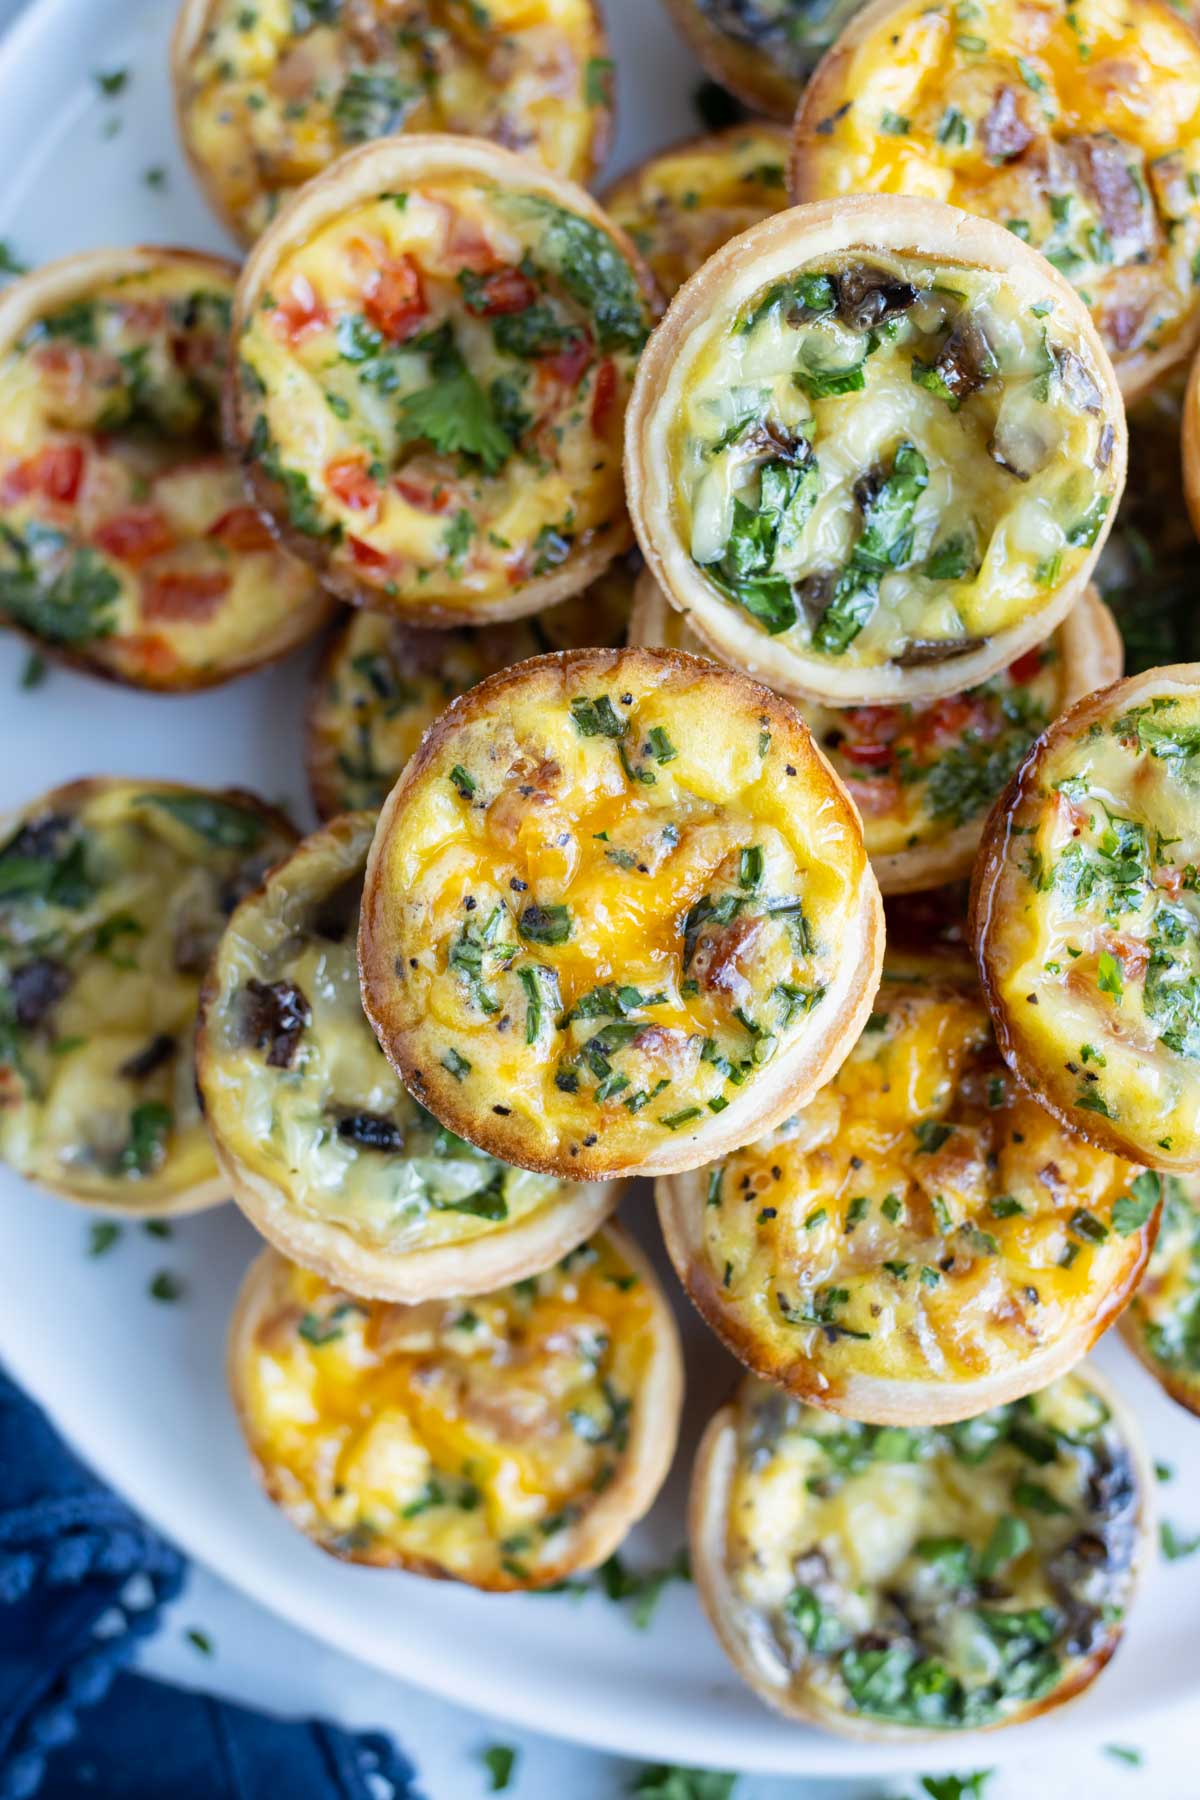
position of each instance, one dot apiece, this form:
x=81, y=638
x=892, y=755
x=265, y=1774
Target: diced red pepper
x=299, y=313
x=950, y=717
x=366, y=555
x=569, y=364
x=870, y=732
x=349, y=479
x=135, y=536
x=55, y=472
x=394, y=303
x=243, y=529
x=185, y=595
x=507, y=291
x=868, y=756
x=425, y=499
x=604, y=397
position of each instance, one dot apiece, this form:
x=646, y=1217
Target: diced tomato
x=366, y=555
x=242, y=529
x=425, y=499
x=394, y=303
x=868, y=756
x=190, y=596
x=55, y=472
x=604, y=396
x=1026, y=667
x=507, y=291
x=879, y=795
x=569, y=363
x=135, y=536
x=870, y=732
x=299, y=313
x=352, y=483
x=950, y=717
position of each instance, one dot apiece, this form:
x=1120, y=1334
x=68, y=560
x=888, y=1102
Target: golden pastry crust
x=379, y=686
x=507, y=1444
x=892, y=1585
x=1084, y=919
x=1079, y=128
x=922, y=1241
x=681, y=205
x=870, y=471
x=325, y=1151
x=128, y=548
x=923, y=776
x=267, y=97
x=617, y=913
x=1160, y=1322
x=761, y=52
x=114, y=894
x=499, y=313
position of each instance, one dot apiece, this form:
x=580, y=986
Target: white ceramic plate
x=139, y=1385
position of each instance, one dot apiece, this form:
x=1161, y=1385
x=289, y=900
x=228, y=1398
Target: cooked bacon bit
x=350, y=481
x=1121, y=199
x=507, y=291
x=35, y=989
x=953, y=715
x=466, y=245
x=1122, y=324
x=870, y=733
x=876, y=797
x=243, y=530
x=568, y=364
x=1026, y=667
x=366, y=555
x=136, y=536
x=1003, y=131
x=425, y=499
x=1170, y=881
x=185, y=596
x=676, y=1049
x=55, y=472
x=299, y=313
x=604, y=397
x=275, y=1018
x=716, y=960
x=394, y=303
x=1133, y=957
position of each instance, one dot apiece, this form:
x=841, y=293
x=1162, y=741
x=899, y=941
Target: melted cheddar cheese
x=1077, y=127
x=126, y=539
x=922, y=1220
x=609, y=896
x=1163, y=1319
x=112, y=897
x=1149, y=569
x=271, y=94
x=466, y=1439
x=433, y=386
x=888, y=463
x=1088, y=921
x=934, y=1578
x=682, y=205
x=380, y=687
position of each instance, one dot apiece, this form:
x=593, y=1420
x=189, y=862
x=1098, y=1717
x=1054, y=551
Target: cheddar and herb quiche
x=113, y=894
x=325, y=1150
x=507, y=1440
x=380, y=686
x=922, y=1240
x=762, y=49
x=434, y=348
x=618, y=916
x=1086, y=918
x=887, y=1583
x=681, y=205
x=923, y=774
x=1077, y=127
x=1149, y=569
x=269, y=95
x=1162, y=1321
x=126, y=544
x=873, y=450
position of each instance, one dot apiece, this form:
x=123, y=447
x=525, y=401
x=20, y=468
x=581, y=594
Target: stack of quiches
x=609, y=824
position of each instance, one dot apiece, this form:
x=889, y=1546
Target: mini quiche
x=1149, y=570
x=380, y=686
x=891, y=1584
x=684, y=203
x=618, y=916
x=112, y=896
x=435, y=343
x=326, y=1152
x=923, y=774
x=507, y=1441
x=1085, y=912
x=126, y=545
x=1162, y=1321
x=1077, y=127
x=269, y=95
x=1191, y=440
x=922, y=1240
x=762, y=50
x=873, y=449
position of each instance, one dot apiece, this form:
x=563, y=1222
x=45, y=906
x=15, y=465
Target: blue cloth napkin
x=82, y=1581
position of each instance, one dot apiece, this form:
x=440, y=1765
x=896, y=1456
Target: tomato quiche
x=380, y=685
x=618, y=914
x=1162, y=1321
x=508, y=1440
x=762, y=50
x=1086, y=920
x=923, y=774
x=1149, y=569
x=326, y=1152
x=681, y=205
x=873, y=449
x=434, y=346
x=126, y=545
x=112, y=896
x=890, y=1584
x=269, y=95
x=922, y=1240
x=1076, y=127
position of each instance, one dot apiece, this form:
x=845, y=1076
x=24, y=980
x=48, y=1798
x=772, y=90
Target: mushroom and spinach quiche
x=435, y=345
x=126, y=544
x=870, y=472
x=505, y=1441
x=325, y=1150
x=269, y=95
x=617, y=914
x=1077, y=127
x=1149, y=570
x=888, y=1583
x=1086, y=918
x=921, y=1241
x=762, y=49
x=924, y=773
x=1162, y=1321
x=380, y=686
x=681, y=205
x=112, y=896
